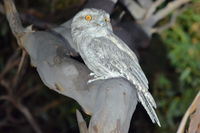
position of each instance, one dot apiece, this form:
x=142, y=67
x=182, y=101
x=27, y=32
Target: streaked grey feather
x=108, y=56
x=121, y=64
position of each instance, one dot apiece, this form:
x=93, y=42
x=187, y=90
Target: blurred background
x=170, y=60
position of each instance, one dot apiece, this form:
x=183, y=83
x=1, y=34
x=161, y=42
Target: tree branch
x=171, y=22
x=13, y=19
x=168, y=9
x=81, y=122
x=145, y=3
x=136, y=11
x=194, y=126
x=12, y=62
x=153, y=8
x=189, y=111
x=29, y=117
x=111, y=102
x=20, y=70
x=27, y=18
x=151, y=19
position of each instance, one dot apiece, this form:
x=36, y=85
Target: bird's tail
x=149, y=104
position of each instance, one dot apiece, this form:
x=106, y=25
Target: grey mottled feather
x=120, y=64
x=108, y=56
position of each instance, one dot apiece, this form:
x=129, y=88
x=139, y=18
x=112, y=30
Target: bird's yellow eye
x=88, y=17
x=107, y=20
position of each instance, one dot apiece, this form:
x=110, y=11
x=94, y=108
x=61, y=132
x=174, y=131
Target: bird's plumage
x=108, y=56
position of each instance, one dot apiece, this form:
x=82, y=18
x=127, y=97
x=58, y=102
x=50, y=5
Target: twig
x=26, y=92
x=149, y=21
x=13, y=19
x=8, y=67
x=81, y=123
x=20, y=107
x=5, y=97
x=171, y=22
x=19, y=70
x=29, y=117
x=12, y=118
x=10, y=63
x=190, y=110
x=168, y=9
x=30, y=19
x=21, y=62
x=18, y=30
x=122, y=15
x=6, y=85
x=51, y=105
x=153, y=8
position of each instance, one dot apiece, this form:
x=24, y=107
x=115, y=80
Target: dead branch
x=145, y=3
x=13, y=18
x=30, y=19
x=18, y=30
x=189, y=111
x=81, y=122
x=194, y=126
x=6, y=97
x=153, y=8
x=147, y=18
x=136, y=11
x=26, y=92
x=172, y=6
x=48, y=106
x=20, y=70
x=110, y=102
x=170, y=23
x=7, y=86
x=148, y=22
x=11, y=63
x=168, y=9
x=29, y=117
x=21, y=108
x=21, y=62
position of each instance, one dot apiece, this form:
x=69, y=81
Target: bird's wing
x=115, y=58
x=144, y=96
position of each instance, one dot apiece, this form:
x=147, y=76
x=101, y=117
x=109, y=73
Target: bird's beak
x=101, y=23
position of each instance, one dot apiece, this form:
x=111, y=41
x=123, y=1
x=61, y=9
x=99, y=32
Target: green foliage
x=183, y=43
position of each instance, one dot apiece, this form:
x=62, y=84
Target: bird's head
x=91, y=21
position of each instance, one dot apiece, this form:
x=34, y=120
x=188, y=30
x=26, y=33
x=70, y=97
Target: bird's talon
x=90, y=81
x=92, y=74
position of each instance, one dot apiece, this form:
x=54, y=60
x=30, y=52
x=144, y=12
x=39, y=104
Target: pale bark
x=111, y=102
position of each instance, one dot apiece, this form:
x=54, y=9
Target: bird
x=107, y=56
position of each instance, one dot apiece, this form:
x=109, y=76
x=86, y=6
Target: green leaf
x=185, y=74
